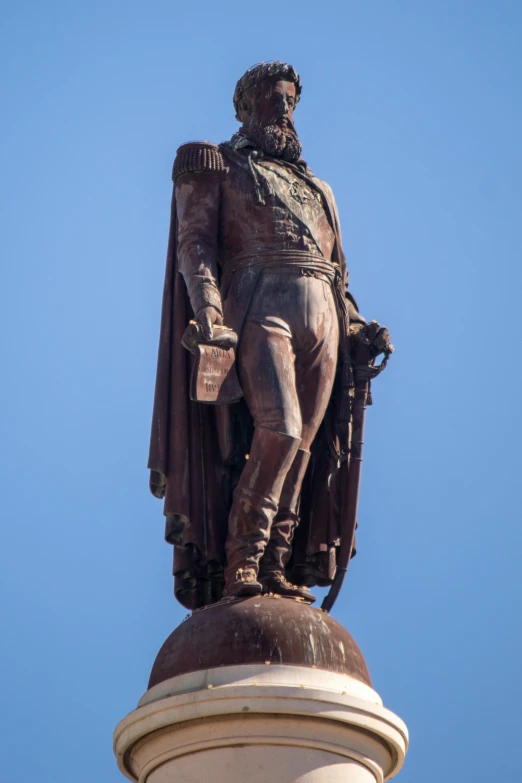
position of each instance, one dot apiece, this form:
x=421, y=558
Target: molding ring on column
x=209, y=704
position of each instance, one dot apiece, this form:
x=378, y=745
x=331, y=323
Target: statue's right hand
x=206, y=318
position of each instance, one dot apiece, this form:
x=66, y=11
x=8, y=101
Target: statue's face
x=270, y=123
x=275, y=103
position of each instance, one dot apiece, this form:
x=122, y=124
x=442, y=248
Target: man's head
x=264, y=99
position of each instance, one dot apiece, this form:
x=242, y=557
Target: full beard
x=278, y=140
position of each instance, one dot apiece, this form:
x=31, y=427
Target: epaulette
x=197, y=156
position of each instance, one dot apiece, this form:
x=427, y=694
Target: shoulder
x=320, y=183
x=325, y=187
x=328, y=194
x=197, y=156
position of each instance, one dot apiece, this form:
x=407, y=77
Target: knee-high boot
x=254, y=506
x=279, y=547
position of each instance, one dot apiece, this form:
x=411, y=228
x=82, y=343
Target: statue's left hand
x=372, y=335
x=157, y=484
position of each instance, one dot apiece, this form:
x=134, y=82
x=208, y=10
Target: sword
x=364, y=371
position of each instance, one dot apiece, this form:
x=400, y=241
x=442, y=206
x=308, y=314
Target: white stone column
x=261, y=723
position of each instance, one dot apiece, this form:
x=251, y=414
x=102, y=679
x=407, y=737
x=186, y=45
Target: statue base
x=260, y=689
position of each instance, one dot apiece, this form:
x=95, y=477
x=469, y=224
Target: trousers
x=287, y=360
x=287, y=353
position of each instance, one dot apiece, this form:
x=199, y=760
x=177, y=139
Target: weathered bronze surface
x=259, y=630
x=258, y=493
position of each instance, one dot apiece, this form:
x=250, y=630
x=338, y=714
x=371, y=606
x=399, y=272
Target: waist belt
x=297, y=262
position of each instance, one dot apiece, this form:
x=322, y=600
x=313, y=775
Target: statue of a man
x=255, y=245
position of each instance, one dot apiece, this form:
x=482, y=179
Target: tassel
x=369, y=399
x=347, y=379
x=344, y=412
x=347, y=383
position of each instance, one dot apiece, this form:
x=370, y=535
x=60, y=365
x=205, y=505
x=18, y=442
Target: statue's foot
x=275, y=583
x=244, y=585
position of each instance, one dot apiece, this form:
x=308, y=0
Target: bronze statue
x=261, y=493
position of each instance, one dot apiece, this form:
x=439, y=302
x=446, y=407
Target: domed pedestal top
x=265, y=629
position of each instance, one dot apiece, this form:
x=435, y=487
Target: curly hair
x=246, y=86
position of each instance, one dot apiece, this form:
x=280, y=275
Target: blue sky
x=411, y=111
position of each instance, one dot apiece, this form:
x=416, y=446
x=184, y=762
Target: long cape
x=199, y=452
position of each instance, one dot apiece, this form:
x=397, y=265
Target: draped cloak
x=199, y=450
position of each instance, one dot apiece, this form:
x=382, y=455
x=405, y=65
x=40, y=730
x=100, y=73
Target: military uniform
x=259, y=240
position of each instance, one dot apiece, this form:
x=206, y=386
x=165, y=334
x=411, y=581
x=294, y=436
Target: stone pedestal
x=265, y=691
